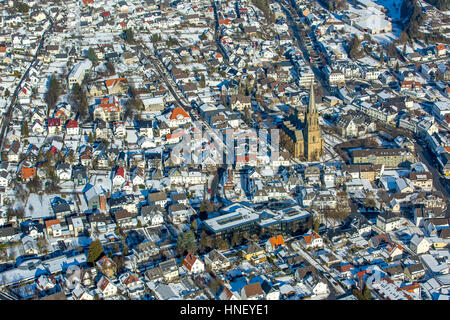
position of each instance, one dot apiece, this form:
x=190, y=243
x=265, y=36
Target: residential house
x=158, y=198
x=312, y=240
x=274, y=243
x=216, y=261
x=270, y=292
x=253, y=252
x=152, y=215
x=108, y=109
x=419, y=245
x=125, y=219
x=54, y=126
x=169, y=269
x=80, y=292
x=178, y=213
x=119, y=177
x=193, y=264
x=134, y=285
x=415, y=271
x=106, y=287
x=94, y=197
x=252, y=292
x=388, y=221
x=106, y=266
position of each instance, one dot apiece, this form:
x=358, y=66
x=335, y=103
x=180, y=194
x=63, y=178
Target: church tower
x=314, y=140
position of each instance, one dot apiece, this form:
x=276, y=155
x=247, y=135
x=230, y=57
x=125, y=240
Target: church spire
x=312, y=101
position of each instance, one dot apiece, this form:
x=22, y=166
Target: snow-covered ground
x=385, y=38
x=38, y=206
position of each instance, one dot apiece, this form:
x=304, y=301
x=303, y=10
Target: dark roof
x=394, y=270
x=99, y=218
x=7, y=231
x=415, y=267
x=388, y=216
x=56, y=296
x=123, y=199
x=157, y=196
x=123, y=214
x=444, y=233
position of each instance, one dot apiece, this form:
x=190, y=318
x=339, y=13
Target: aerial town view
x=224, y=150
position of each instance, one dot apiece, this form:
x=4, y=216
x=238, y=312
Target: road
x=335, y=289
x=288, y=7
x=218, y=30
x=439, y=182
x=160, y=69
x=10, y=108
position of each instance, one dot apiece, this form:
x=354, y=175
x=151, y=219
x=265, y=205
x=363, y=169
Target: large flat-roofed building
x=373, y=24
x=239, y=218
x=236, y=218
x=285, y=221
x=78, y=72
x=390, y=158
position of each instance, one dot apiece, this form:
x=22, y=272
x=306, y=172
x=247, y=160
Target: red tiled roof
x=411, y=287
x=253, y=289
x=53, y=222
x=189, y=261
x=120, y=172
x=178, y=111
x=28, y=172
x=72, y=124
x=53, y=150
x=105, y=262
x=54, y=122
x=103, y=283
x=175, y=135
x=131, y=279
x=224, y=21
x=112, y=82
x=345, y=268
x=277, y=241
x=309, y=238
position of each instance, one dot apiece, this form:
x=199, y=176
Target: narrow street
x=335, y=289
x=439, y=182
x=10, y=108
x=291, y=21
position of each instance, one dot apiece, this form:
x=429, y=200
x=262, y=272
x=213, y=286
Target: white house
x=419, y=244
x=78, y=72
x=106, y=287
x=312, y=240
x=387, y=221
x=193, y=264
x=4, y=178
x=119, y=177
x=317, y=285
x=81, y=293
x=177, y=117
x=72, y=128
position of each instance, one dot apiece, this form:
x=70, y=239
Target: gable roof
x=189, y=261
x=310, y=237
x=178, y=111
x=277, y=241
x=253, y=289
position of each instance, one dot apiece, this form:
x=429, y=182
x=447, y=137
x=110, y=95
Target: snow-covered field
x=38, y=206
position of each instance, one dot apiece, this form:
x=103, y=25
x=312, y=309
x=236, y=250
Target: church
x=300, y=133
